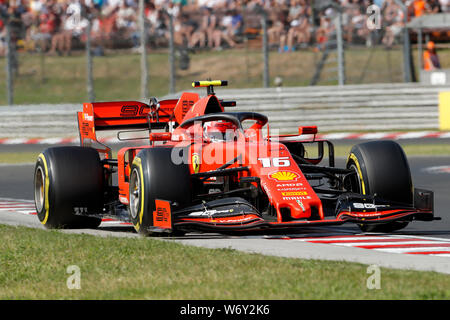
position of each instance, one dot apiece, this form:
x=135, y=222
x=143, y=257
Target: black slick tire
x=153, y=176
x=68, y=182
x=382, y=169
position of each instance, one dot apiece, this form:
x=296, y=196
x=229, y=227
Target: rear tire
x=382, y=169
x=154, y=175
x=68, y=181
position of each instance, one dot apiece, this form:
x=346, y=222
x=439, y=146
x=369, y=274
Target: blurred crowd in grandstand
x=58, y=26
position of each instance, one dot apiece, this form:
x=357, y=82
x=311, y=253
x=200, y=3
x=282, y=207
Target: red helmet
x=219, y=130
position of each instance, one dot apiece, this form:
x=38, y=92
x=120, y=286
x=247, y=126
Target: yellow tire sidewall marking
x=137, y=162
x=355, y=160
x=47, y=185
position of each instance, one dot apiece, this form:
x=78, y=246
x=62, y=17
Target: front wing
x=236, y=214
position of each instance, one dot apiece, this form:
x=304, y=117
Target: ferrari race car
x=204, y=169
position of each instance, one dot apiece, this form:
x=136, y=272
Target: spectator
x=126, y=22
x=46, y=28
x=97, y=4
x=16, y=10
x=201, y=23
x=420, y=7
x=236, y=27
x=358, y=26
x=198, y=38
x=347, y=15
x=110, y=7
x=106, y=25
x=224, y=31
x=430, y=58
x=231, y=27
x=299, y=25
x=445, y=5
x=205, y=34
x=36, y=6
x=393, y=18
x=72, y=26
x=182, y=29
x=159, y=28
x=2, y=39
x=279, y=26
x=435, y=6
x=323, y=32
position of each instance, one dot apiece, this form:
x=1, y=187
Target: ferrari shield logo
x=195, y=162
x=300, y=203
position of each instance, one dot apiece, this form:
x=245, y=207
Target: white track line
x=414, y=249
x=407, y=244
x=388, y=243
x=421, y=237
x=340, y=238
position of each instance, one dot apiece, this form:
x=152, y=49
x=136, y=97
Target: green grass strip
x=34, y=262
x=18, y=157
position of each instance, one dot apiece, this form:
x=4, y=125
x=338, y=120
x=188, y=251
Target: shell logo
x=284, y=176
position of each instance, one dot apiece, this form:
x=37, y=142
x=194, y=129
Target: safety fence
x=356, y=108
x=345, y=108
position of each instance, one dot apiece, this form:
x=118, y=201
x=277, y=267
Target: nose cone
x=284, y=183
x=290, y=193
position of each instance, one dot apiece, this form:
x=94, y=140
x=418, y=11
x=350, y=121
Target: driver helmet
x=219, y=130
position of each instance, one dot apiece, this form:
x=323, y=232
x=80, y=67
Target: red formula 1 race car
x=202, y=168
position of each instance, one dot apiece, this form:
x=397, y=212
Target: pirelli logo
x=294, y=193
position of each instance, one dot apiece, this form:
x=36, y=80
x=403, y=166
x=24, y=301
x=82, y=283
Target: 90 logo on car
x=132, y=111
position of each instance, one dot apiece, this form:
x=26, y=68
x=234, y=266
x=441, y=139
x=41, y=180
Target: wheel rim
x=135, y=193
x=39, y=189
x=356, y=182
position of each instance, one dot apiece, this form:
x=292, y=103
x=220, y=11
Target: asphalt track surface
x=343, y=242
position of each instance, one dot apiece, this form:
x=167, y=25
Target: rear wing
x=135, y=115
x=123, y=115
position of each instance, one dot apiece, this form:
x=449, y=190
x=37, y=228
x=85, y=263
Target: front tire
x=68, y=181
x=153, y=176
x=382, y=168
